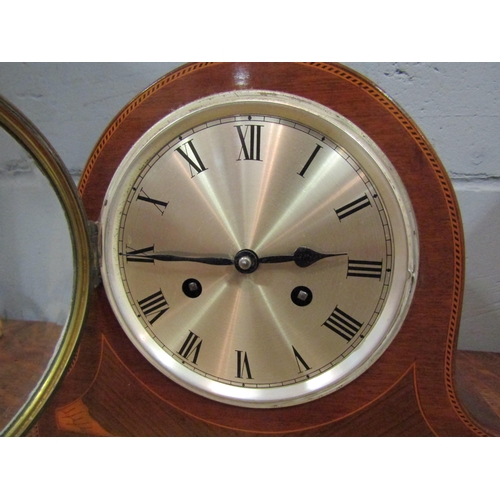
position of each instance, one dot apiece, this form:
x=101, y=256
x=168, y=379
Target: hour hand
x=303, y=257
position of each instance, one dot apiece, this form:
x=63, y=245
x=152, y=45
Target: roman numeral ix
x=140, y=255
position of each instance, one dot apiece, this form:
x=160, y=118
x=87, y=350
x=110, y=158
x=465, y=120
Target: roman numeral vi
x=242, y=365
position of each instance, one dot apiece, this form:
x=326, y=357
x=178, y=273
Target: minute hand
x=214, y=261
x=303, y=257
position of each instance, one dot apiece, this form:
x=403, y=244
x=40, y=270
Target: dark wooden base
x=103, y=409
x=477, y=382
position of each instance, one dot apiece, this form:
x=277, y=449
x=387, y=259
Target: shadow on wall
x=480, y=324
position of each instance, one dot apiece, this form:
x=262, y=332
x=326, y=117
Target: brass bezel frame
x=31, y=139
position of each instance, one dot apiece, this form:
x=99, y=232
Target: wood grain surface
x=410, y=391
x=26, y=349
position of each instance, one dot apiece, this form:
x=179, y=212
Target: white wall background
x=456, y=105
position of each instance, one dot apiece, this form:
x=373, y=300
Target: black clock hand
x=214, y=261
x=245, y=261
x=303, y=257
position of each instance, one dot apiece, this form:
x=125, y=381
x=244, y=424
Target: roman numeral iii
x=365, y=268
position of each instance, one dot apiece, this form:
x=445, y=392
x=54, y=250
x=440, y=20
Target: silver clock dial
x=258, y=249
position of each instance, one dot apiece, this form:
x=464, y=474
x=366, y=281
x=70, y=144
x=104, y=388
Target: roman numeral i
x=310, y=160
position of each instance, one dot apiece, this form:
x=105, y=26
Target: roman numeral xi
x=189, y=153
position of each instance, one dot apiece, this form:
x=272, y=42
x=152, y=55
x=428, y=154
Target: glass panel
x=36, y=275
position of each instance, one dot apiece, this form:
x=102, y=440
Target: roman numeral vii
x=191, y=347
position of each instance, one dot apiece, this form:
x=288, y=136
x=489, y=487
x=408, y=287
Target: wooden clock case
x=111, y=390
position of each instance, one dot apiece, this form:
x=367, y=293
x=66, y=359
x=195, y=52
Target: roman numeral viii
x=343, y=324
x=250, y=142
x=189, y=153
x=153, y=306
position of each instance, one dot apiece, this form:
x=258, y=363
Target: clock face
x=258, y=249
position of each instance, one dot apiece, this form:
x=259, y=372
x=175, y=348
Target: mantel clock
x=280, y=253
